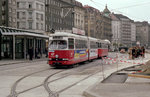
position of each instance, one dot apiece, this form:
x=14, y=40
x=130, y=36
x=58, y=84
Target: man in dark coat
x=30, y=52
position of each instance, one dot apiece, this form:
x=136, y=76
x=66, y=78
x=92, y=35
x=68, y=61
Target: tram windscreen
x=58, y=44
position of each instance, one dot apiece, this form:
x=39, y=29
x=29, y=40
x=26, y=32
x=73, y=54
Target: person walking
x=30, y=52
x=46, y=51
x=143, y=51
x=133, y=52
x=36, y=52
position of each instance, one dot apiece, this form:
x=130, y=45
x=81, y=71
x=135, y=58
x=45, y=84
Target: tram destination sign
x=78, y=31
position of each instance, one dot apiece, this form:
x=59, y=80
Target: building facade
x=133, y=33
x=58, y=15
x=116, y=29
x=15, y=43
x=92, y=22
x=79, y=13
x=31, y=15
x=125, y=30
x=142, y=31
x=8, y=13
x=106, y=25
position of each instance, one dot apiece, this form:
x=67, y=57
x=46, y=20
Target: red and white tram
x=69, y=49
x=93, y=48
x=102, y=48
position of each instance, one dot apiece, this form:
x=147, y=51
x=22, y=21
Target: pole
x=0, y=46
x=103, y=68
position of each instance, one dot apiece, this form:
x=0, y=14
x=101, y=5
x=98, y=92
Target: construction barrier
x=109, y=60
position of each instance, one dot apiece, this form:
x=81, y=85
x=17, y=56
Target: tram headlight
x=56, y=56
x=50, y=59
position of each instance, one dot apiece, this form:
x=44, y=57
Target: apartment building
x=8, y=13
x=79, y=13
x=143, y=33
x=92, y=22
x=125, y=29
x=58, y=15
x=31, y=15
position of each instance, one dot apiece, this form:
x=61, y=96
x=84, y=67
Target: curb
x=24, y=61
x=88, y=93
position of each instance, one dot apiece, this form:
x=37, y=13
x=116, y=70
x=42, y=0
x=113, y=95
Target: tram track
x=13, y=89
x=46, y=82
x=56, y=94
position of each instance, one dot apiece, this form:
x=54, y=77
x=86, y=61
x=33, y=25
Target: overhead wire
x=135, y=5
x=117, y=10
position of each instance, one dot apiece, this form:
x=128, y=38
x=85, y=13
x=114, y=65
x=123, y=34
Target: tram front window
x=58, y=44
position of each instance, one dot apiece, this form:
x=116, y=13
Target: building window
x=23, y=15
x=18, y=4
x=10, y=19
x=42, y=17
x=30, y=15
x=37, y=25
x=18, y=15
x=17, y=24
x=30, y=25
x=30, y=5
x=41, y=26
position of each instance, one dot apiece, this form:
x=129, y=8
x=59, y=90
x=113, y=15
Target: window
x=81, y=44
x=23, y=15
x=30, y=25
x=93, y=45
x=18, y=15
x=30, y=15
x=18, y=4
x=18, y=24
x=58, y=44
x=71, y=43
x=9, y=1
x=37, y=25
x=30, y=5
x=42, y=17
x=41, y=26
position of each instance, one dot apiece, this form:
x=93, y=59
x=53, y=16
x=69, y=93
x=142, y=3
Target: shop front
x=14, y=44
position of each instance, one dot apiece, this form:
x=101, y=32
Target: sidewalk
x=17, y=61
x=133, y=87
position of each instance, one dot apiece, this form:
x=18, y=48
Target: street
x=38, y=79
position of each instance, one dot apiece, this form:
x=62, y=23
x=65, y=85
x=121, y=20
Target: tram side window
x=104, y=45
x=99, y=45
x=81, y=44
x=71, y=43
x=93, y=45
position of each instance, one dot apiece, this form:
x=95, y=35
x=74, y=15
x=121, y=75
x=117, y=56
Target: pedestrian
x=36, y=52
x=130, y=53
x=30, y=52
x=143, y=51
x=40, y=52
x=133, y=52
x=46, y=51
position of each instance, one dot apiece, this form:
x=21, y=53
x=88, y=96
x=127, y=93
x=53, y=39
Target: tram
x=102, y=48
x=66, y=49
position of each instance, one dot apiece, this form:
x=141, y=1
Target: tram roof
x=20, y=32
x=65, y=34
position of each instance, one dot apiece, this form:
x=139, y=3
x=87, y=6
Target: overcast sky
x=138, y=10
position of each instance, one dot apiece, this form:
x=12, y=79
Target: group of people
x=135, y=52
x=37, y=52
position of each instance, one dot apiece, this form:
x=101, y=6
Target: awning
x=18, y=32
